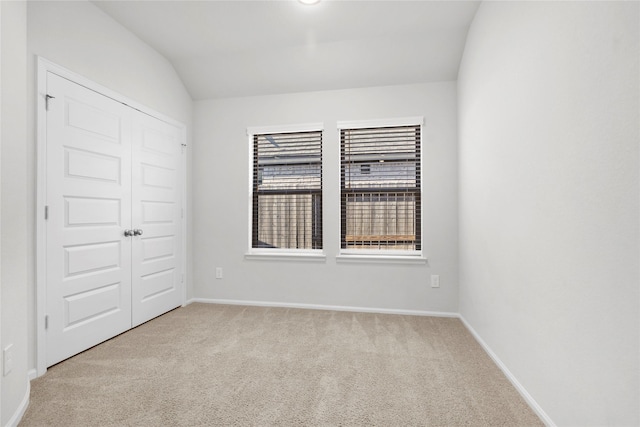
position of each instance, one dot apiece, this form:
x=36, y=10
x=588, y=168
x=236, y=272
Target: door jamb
x=45, y=66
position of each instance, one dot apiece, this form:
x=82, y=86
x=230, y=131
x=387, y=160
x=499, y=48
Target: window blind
x=380, y=188
x=287, y=190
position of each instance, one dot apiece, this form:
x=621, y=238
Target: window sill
x=304, y=257
x=380, y=259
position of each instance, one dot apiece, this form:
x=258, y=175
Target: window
x=380, y=188
x=287, y=190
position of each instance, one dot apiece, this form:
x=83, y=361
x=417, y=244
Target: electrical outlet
x=435, y=281
x=7, y=360
x=218, y=272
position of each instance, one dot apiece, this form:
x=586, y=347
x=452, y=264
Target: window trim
x=366, y=255
x=279, y=253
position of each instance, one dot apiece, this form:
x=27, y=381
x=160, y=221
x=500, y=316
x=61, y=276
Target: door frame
x=45, y=66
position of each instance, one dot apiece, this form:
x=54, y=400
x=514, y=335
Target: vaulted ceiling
x=242, y=48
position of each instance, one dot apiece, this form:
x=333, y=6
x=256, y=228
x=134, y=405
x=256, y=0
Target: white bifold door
x=113, y=227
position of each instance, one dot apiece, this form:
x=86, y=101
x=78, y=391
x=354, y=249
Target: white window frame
x=291, y=254
x=396, y=256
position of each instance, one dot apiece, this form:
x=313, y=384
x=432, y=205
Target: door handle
x=137, y=232
x=128, y=233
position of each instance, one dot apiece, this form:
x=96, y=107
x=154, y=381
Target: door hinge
x=46, y=212
x=183, y=146
x=46, y=321
x=47, y=97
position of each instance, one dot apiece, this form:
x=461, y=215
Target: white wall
x=549, y=138
x=82, y=38
x=13, y=250
x=221, y=188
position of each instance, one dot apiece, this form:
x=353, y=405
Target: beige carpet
x=206, y=365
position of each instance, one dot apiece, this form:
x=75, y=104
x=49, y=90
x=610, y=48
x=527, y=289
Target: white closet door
x=88, y=194
x=157, y=271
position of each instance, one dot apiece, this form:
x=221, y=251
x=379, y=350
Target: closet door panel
x=156, y=212
x=88, y=194
x=109, y=169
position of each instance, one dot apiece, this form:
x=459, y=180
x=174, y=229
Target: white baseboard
x=32, y=374
x=22, y=408
x=523, y=392
x=325, y=307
